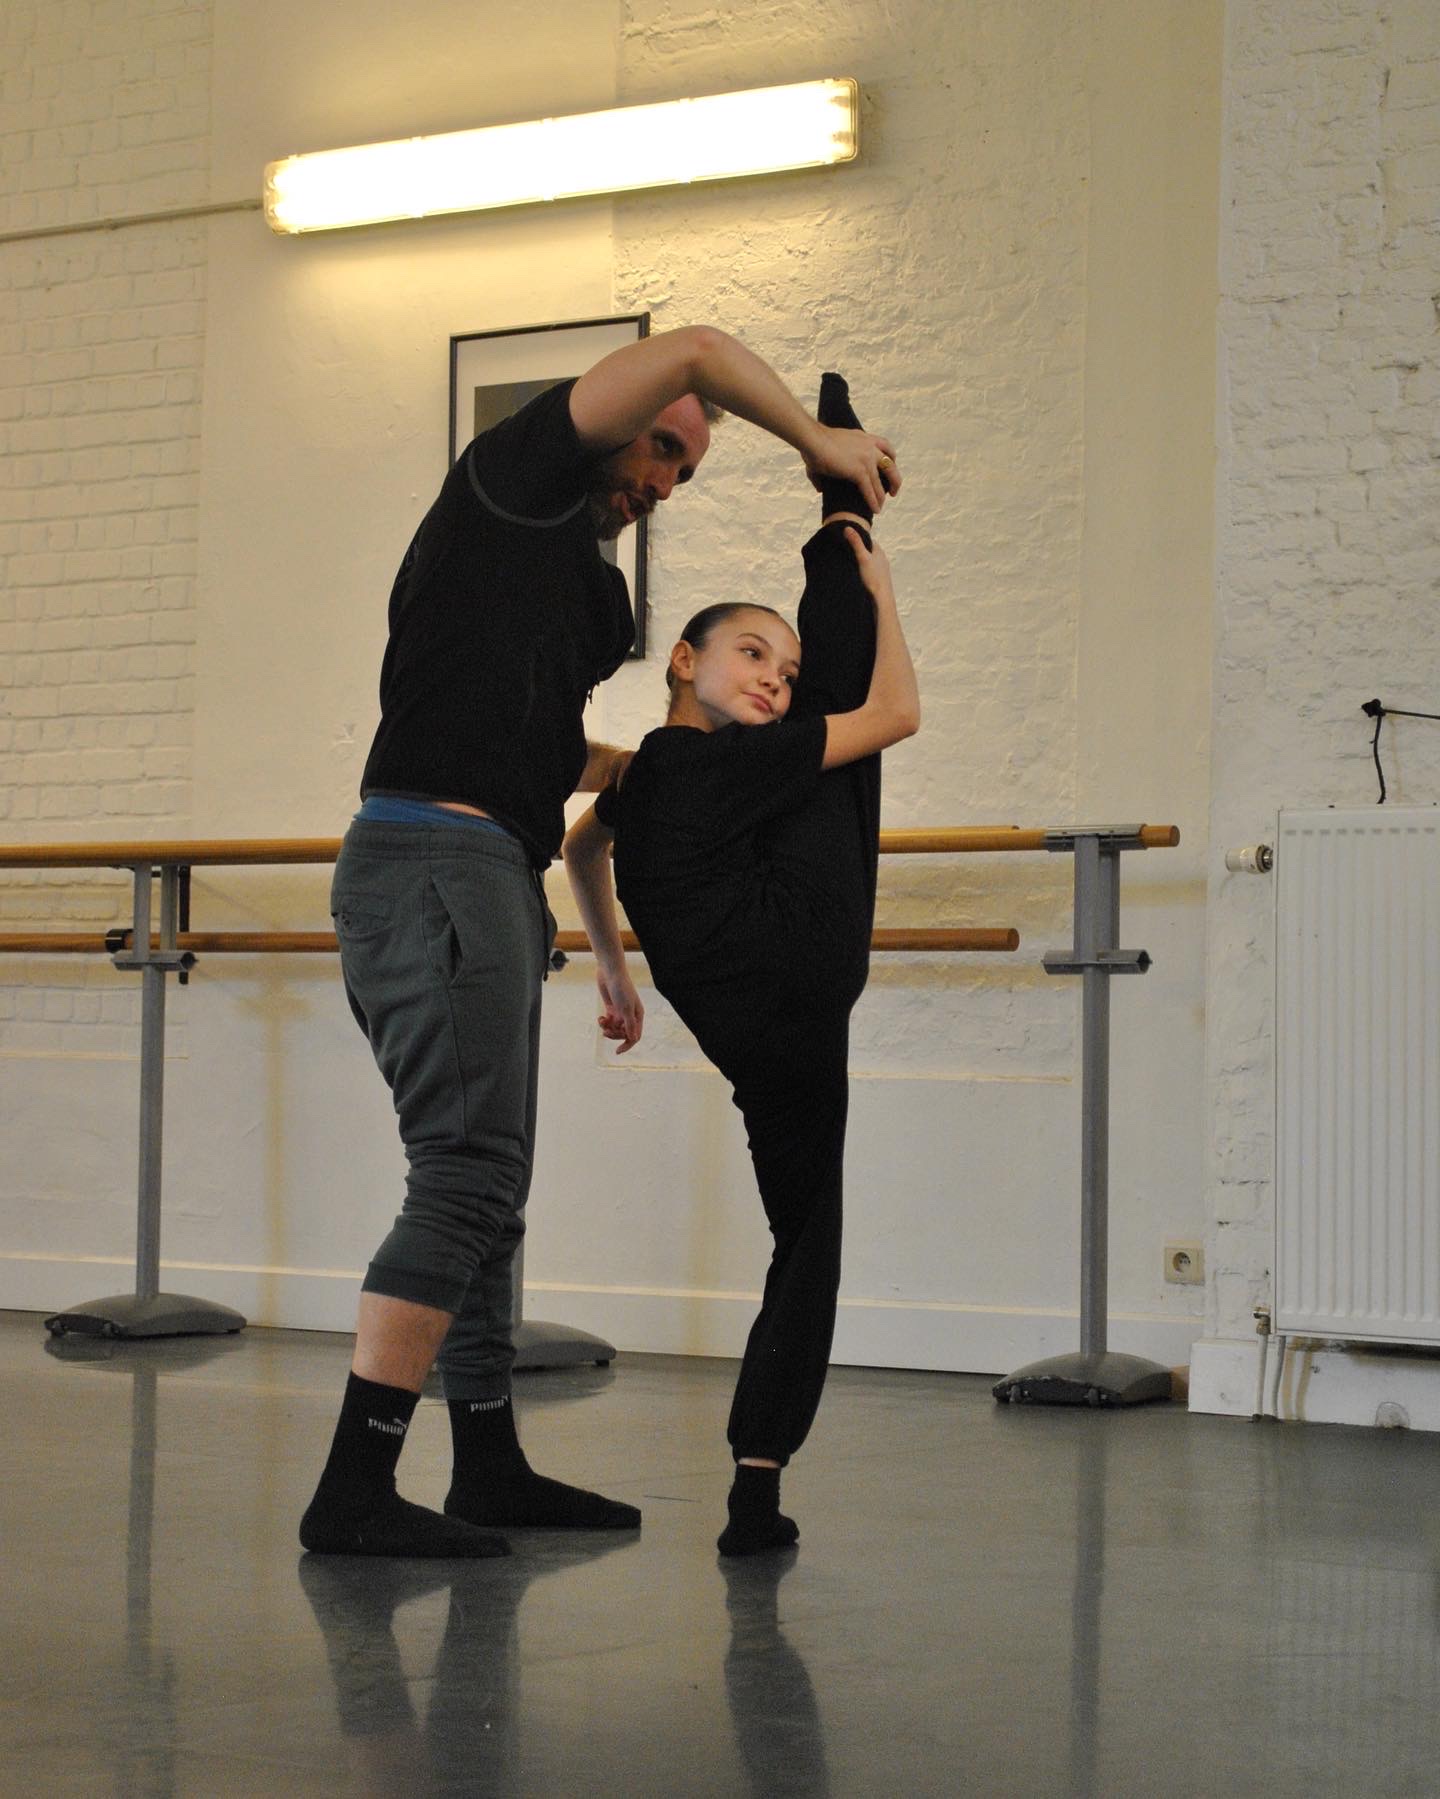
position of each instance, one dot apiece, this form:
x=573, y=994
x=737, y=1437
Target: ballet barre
x=253, y=851
x=1093, y=1376
x=991, y=939
x=173, y=949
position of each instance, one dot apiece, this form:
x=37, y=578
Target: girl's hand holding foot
x=874, y=565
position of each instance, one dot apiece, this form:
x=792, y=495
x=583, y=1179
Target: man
x=503, y=618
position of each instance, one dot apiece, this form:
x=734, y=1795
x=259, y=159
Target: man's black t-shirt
x=700, y=866
x=503, y=617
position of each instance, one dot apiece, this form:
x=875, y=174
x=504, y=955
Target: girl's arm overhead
x=587, y=862
x=891, y=710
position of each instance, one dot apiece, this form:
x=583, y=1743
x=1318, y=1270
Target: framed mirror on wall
x=493, y=373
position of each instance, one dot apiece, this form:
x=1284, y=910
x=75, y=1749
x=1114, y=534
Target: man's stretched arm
x=614, y=401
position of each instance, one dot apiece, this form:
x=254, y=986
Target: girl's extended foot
x=835, y=409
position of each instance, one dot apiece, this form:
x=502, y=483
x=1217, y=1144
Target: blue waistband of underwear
x=382, y=809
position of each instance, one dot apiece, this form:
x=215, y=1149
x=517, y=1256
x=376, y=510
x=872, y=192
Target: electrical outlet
x=1185, y=1264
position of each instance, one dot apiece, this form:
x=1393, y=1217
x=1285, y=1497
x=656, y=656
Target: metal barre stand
x=1094, y=1376
x=147, y=1312
x=541, y=1345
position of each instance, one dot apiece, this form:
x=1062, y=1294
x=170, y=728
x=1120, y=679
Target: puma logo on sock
x=396, y=1428
x=488, y=1405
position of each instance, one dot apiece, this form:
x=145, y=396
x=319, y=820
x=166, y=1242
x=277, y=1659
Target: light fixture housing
x=715, y=138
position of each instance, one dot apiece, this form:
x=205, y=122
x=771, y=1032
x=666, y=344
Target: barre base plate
x=127, y=1315
x=539, y=1345
x=1105, y=1379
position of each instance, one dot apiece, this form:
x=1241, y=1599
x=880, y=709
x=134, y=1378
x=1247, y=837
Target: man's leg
x=492, y=1482
x=397, y=1341
x=356, y=1510
x=442, y=955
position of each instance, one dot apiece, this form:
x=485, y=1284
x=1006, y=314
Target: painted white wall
x=1146, y=556
x=1328, y=544
x=1012, y=275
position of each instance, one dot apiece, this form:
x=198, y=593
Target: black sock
x=835, y=409
x=356, y=1510
x=494, y=1484
x=756, y=1521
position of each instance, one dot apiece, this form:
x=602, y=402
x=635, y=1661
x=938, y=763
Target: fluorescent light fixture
x=716, y=138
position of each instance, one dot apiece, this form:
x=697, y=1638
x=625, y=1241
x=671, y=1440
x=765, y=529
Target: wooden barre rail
x=270, y=943
x=978, y=839
x=242, y=852
x=203, y=853
x=282, y=851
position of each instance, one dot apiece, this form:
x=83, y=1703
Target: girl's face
x=744, y=673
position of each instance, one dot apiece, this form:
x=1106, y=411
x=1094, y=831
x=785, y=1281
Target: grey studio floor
x=986, y=1600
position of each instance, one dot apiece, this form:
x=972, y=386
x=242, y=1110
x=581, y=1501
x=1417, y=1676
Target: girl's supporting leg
x=794, y=1109
x=793, y=1096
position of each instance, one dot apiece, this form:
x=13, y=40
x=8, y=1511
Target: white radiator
x=1357, y=1141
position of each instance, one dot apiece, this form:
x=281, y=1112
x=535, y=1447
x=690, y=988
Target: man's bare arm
x=614, y=401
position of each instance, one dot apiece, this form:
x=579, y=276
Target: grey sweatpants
x=444, y=943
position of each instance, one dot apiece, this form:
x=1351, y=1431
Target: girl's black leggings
x=789, y=1070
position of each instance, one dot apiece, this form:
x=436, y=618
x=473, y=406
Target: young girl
x=745, y=836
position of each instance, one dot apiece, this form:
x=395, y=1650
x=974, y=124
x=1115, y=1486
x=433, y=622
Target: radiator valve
x=1255, y=859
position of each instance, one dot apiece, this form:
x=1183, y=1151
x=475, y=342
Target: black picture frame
x=494, y=372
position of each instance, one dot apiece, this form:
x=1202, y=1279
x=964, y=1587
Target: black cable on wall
x=1377, y=710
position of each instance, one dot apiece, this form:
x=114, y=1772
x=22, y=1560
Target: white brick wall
x=1328, y=527
x=967, y=313
x=947, y=272
x=106, y=114
x=106, y=108
x=944, y=274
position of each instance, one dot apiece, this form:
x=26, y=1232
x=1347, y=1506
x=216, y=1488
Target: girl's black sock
x=493, y=1484
x=835, y=409
x=356, y=1510
x=756, y=1521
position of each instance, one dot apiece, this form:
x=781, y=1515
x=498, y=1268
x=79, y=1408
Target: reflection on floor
x=986, y=1600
